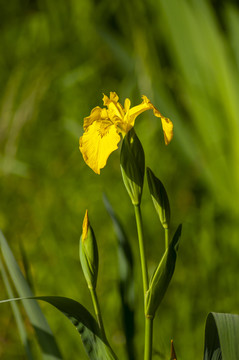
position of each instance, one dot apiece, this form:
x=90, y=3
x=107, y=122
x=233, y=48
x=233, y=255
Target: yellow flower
x=103, y=126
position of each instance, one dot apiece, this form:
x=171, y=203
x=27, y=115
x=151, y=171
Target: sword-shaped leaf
x=95, y=347
x=17, y=314
x=44, y=334
x=221, y=337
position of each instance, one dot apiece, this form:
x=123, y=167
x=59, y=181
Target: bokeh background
x=57, y=58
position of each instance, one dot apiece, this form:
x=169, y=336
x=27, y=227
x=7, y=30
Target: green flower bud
x=89, y=253
x=132, y=163
x=160, y=198
x=162, y=276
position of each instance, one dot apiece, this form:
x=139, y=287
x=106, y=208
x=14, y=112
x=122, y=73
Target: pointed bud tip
x=85, y=226
x=173, y=354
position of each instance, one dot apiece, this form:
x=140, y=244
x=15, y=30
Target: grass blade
x=26, y=266
x=84, y=322
x=17, y=314
x=44, y=334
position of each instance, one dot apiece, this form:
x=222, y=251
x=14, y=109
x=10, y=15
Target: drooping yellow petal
x=137, y=110
x=97, y=143
x=146, y=105
x=167, y=126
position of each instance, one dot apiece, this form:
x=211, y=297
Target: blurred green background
x=57, y=58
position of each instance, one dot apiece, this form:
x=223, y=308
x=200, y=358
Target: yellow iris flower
x=103, y=126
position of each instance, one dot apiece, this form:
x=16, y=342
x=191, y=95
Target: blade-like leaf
x=126, y=279
x=17, y=314
x=221, y=337
x=44, y=334
x=84, y=322
x=26, y=266
x=86, y=325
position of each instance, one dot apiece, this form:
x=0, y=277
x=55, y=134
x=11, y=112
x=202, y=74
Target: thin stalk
x=148, y=338
x=144, y=268
x=166, y=238
x=97, y=312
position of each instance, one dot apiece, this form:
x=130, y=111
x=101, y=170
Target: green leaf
x=84, y=322
x=162, y=275
x=88, y=328
x=95, y=346
x=221, y=337
x=16, y=312
x=126, y=279
x=26, y=266
x=44, y=334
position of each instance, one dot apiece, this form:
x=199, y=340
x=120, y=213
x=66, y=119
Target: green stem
x=148, y=321
x=148, y=338
x=97, y=312
x=138, y=218
x=166, y=238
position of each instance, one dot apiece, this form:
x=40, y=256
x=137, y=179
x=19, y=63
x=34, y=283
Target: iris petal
x=97, y=143
x=167, y=126
x=136, y=111
x=146, y=105
x=95, y=115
